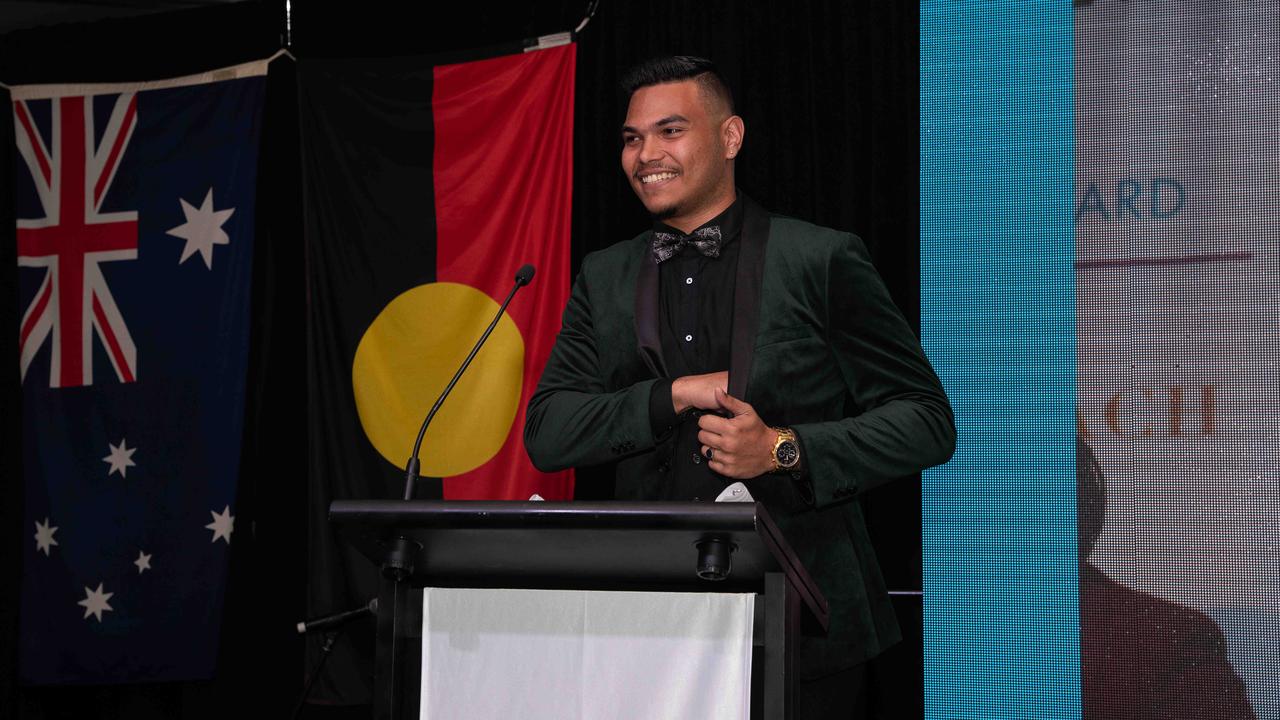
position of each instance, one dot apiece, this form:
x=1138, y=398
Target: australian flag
x=135, y=209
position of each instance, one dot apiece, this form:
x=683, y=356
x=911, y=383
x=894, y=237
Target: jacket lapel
x=647, y=313
x=746, y=302
x=746, y=295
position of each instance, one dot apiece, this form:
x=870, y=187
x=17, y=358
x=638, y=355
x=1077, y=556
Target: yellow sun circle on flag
x=408, y=355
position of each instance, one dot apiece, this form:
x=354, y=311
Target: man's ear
x=731, y=133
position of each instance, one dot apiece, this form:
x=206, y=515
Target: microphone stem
x=411, y=471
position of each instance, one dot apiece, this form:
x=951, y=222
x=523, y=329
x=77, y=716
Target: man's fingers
x=715, y=424
x=722, y=468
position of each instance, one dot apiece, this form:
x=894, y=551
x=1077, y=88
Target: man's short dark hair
x=675, y=68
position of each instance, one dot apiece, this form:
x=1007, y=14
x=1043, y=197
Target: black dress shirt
x=695, y=316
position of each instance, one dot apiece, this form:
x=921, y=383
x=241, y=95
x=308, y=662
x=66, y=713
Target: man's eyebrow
x=668, y=120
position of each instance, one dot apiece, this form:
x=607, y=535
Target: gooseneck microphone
x=523, y=277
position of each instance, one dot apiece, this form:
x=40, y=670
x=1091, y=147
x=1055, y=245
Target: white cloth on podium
x=585, y=655
x=736, y=492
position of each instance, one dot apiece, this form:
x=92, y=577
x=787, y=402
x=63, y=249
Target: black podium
x=654, y=546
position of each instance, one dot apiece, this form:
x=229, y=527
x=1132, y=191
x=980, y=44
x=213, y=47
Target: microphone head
x=524, y=275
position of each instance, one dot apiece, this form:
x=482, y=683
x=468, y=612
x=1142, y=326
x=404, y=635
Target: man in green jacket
x=728, y=344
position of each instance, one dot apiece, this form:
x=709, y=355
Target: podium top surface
x=582, y=545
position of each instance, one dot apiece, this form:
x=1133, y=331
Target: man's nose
x=649, y=151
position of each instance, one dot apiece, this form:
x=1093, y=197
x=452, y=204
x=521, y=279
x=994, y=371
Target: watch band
x=791, y=455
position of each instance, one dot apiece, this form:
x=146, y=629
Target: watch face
x=788, y=454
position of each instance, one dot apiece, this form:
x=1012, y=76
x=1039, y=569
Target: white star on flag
x=121, y=457
x=222, y=524
x=95, y=602
x=143, y=562
x=44, y=536
x=202, y=230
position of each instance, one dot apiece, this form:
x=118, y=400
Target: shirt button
x=688, y=281
x=688, y=338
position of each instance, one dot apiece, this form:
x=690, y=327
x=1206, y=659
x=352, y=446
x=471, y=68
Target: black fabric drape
x=11, y=532
x=829, y=92
x=365, y=125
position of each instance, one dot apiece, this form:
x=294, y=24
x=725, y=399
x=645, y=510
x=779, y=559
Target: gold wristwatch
x=786, y=451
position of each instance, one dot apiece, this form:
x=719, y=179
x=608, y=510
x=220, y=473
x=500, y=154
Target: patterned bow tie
x=666, y=245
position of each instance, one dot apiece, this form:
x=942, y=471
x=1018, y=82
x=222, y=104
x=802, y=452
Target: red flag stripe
x=37, y=310
x=122, y=137
x=122, y=365
x=503, y=174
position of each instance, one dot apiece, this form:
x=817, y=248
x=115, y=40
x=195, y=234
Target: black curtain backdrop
x=829, y=92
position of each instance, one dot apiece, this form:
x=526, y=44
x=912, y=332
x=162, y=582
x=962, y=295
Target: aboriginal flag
x=426, y=187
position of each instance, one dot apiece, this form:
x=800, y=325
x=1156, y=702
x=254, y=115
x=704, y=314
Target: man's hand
x=742, y=445
x=698, y=391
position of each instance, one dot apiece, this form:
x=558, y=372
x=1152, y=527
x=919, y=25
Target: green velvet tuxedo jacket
x=817, y=345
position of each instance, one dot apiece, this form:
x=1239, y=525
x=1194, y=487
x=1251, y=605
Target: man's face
x=677, y=146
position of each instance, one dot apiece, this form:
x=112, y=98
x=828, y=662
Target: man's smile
x=651, y=177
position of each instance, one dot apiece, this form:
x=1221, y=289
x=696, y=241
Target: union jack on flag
x=71, y=178
x=135, y=223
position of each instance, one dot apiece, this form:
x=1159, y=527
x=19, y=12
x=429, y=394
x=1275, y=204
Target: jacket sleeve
x=573, y=419
x=904, y=421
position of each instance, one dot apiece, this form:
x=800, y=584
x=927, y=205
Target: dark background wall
x=829, y=93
